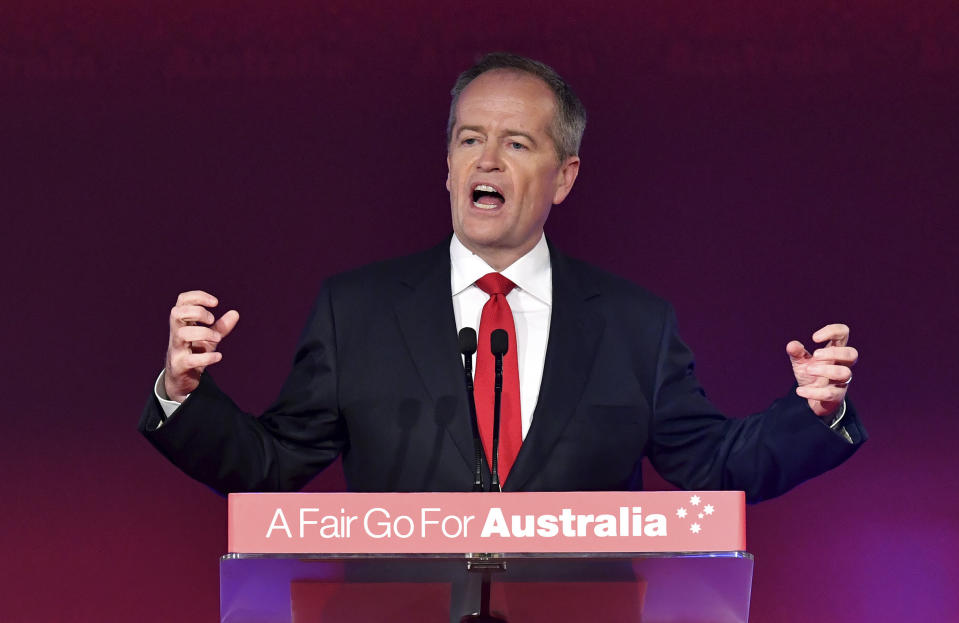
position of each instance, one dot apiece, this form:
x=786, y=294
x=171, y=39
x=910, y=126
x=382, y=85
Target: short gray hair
x=570, y=122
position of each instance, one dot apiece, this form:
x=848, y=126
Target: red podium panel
x=418, y=523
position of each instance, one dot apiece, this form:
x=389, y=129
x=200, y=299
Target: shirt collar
x=531, y=273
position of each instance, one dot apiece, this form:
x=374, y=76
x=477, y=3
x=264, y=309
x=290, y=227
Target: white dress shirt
x=532, y=304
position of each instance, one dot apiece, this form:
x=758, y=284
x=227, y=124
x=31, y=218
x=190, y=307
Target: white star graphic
x=694, y=500
x=700, y=515
x=708, y=509
x=681, y=513
x=694, y=528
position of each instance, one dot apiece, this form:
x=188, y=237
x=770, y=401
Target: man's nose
x=491, y=159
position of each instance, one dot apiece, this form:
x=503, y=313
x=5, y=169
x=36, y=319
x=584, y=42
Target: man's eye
x=517, y=146
x=469, y=141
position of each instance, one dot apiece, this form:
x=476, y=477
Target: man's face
x=504, y=173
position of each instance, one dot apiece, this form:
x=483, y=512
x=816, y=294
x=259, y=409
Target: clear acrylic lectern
x=685, y=587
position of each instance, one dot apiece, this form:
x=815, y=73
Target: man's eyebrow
x=507, y=132
x=470, y=128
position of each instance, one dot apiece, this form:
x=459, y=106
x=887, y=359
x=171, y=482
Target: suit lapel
x=426, y=321
x=574, y=334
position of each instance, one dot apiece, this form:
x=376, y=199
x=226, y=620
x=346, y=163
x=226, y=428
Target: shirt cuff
x=835, y=424
x=170, y=406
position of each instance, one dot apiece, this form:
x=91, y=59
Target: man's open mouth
x=486, y=197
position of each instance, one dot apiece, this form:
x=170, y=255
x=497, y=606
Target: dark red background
x=767, y=168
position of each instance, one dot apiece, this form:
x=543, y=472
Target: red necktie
x=498, y=315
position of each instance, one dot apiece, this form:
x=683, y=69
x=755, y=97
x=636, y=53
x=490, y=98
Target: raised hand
x=194, y=337
x=824, y=375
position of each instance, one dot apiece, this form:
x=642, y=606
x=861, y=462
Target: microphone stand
x=497, y=395
x=467, y=348
x=484, y=615
x=499, y=344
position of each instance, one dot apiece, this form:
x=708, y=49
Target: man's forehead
x=508, y=93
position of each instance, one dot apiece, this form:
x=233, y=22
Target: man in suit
x=603, y=378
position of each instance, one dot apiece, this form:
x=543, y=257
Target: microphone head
x=467, y=341
x=499, y=342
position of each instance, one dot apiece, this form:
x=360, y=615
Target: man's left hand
x=824, y=375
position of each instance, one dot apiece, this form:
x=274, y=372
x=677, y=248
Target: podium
x=519, y=557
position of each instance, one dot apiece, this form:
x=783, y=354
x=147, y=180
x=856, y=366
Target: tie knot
x=495, y=283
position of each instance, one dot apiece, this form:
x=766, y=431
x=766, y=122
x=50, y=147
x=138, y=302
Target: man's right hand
x=194, y=337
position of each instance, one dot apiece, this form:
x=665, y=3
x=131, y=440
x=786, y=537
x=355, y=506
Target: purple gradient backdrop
x=767, y=168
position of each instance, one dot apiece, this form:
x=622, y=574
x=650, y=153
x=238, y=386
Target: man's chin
x=478, y=244
x=482, y=231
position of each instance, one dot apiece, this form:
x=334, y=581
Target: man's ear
x=447, y=172
x=565, y=178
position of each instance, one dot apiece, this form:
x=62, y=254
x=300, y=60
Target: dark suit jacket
x=377, y=378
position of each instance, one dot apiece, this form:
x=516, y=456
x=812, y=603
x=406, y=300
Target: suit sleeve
x=695, y=447
x=212, y=440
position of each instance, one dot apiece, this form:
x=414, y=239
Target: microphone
x=467, y=348
x=499, y=344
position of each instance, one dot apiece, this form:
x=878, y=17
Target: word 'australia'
x=629, y=522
